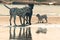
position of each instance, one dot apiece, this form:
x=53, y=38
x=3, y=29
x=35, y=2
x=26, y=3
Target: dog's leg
x=10, y=19
x=38, y=20
x=24, y=21
x=42, y=21
x=27, y=20
x=46, y=20
x=14, y=20
x=20, y=20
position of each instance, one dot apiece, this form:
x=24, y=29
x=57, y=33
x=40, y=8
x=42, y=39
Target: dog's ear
x=0, y=1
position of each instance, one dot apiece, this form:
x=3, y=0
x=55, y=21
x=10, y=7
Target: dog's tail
x=6, y=6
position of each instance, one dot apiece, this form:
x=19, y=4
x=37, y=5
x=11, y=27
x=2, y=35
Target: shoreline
x=51, y=20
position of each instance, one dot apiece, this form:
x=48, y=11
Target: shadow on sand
x=24, y=34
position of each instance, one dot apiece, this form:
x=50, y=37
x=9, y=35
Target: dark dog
x=21, y=12
x=29, y=15
x=41, y=17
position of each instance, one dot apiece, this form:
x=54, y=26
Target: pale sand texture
x=53, y=20
x=53, y=31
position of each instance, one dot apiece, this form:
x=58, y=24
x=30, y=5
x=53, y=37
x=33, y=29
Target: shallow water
x=5, y=32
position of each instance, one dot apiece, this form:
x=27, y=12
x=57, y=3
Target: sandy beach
x=53, y=25
x=51, y=20
x=52, y=30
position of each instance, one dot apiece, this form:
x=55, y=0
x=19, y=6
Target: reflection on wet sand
x=24, y=34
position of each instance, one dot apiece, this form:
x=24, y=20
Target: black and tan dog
x=41, y=17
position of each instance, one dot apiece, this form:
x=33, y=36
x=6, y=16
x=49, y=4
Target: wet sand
x=53, y=33
x=51, y=20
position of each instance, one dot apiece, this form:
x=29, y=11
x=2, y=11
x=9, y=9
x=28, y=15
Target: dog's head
x=38, y=15
x=1, y=1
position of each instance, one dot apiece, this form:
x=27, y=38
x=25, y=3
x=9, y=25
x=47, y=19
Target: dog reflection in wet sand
x=41, y=18
x=41, y=30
